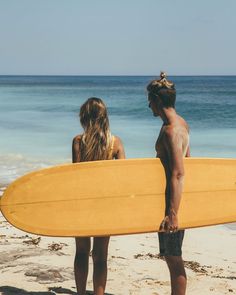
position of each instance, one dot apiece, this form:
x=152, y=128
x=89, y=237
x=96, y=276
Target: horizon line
x=112, y=75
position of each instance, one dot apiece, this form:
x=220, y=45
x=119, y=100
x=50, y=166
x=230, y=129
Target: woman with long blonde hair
x=96, y=143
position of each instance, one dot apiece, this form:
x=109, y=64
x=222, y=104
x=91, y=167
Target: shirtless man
x=171, y=146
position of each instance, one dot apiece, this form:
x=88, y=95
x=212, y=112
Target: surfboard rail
x=103, y=198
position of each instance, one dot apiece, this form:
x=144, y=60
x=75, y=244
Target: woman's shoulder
x=116, y=139
x=118, y=148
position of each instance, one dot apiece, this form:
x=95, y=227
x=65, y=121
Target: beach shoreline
x=31, y=264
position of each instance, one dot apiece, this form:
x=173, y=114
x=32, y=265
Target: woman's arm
x=75, y=149
x=119, y=149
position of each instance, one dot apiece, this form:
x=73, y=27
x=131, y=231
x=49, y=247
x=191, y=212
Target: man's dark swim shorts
x=171, y=243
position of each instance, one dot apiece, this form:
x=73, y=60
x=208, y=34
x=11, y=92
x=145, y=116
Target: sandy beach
x=37, y=265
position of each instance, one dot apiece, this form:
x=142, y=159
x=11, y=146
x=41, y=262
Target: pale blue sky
x=117, y=37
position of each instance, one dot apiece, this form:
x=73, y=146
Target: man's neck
x=168, y=115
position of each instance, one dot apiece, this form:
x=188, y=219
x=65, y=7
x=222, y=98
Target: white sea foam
x=14, y=165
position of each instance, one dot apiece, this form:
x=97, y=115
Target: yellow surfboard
x=118, y=197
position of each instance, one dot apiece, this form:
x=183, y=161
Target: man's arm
x=174, y=179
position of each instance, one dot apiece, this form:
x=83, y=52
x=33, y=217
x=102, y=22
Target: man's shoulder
x=175, y=132
x=169, y=131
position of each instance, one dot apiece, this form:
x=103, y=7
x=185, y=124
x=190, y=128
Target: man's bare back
x=179, y=133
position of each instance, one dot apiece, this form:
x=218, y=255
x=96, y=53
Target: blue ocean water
x=39, y=116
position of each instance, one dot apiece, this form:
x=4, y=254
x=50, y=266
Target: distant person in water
x=171, y=146
x=96, y=143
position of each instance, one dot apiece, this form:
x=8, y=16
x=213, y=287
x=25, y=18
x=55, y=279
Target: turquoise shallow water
x=38, y=117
